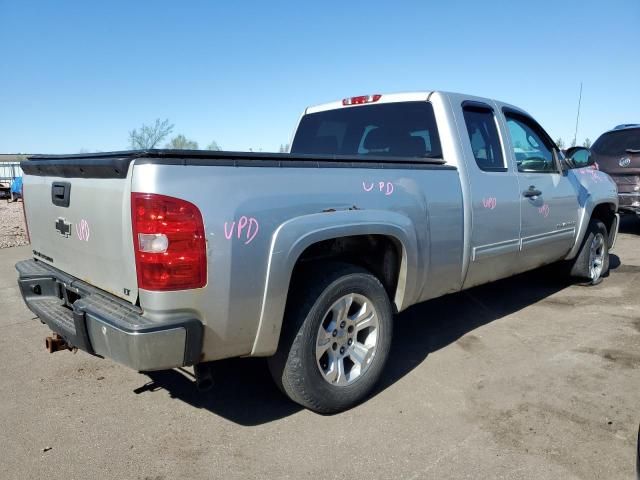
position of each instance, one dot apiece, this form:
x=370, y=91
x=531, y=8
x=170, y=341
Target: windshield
x=617, y=142
x=404, y=129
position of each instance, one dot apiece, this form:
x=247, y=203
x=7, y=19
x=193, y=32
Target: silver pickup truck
x=160, y=259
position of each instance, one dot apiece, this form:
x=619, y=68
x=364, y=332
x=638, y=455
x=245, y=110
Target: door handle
x=532, y=192
x=60, y=193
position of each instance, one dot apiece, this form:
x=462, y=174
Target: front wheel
x=335, y=340
x=592, y=261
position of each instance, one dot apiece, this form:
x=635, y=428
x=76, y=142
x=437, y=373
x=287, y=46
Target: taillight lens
x=169, y=241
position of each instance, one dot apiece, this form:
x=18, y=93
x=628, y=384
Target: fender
x=585, y=216
x=293, y=237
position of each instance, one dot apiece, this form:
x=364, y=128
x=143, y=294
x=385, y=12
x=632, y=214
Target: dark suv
x=617, y=152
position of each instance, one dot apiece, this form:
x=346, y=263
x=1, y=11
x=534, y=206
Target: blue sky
x=81, y=74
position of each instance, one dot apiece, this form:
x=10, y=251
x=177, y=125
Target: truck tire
x=592, y=262
x=335, y=338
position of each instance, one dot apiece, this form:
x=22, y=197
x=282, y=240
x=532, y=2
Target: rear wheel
x=335, y=339
x=592, y=262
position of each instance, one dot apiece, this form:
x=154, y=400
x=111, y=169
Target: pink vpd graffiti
x=385, y=187
x=246, y=228
x=592, y=171
x=367, y=188
x=82, y=230
x=490, y=202
x=544, y=210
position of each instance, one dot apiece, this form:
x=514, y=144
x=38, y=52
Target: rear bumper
x=629, y=201
x=104, y=325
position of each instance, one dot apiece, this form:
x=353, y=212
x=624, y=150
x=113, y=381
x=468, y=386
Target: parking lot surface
x=529, y=377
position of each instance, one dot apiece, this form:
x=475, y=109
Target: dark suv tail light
x=169, y=241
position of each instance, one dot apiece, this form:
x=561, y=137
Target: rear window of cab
x=403, y=129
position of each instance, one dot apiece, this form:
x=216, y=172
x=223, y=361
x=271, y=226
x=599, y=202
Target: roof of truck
x=418, y=96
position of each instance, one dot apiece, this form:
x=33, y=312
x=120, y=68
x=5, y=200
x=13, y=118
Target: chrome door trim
x=548, y=237
x=495, y=249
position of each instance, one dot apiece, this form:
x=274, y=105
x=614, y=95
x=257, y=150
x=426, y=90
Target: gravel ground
x=12, y=231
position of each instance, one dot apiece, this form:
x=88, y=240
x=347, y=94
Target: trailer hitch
x=55, y=343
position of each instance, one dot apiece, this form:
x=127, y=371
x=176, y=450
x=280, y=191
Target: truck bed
x=250, y=214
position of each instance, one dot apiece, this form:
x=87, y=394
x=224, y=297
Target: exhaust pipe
x=55, y=343
x=204, y=378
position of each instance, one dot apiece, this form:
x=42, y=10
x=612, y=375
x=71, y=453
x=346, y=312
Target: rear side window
x=404, y=129
x=616, y=143
x=483, y=135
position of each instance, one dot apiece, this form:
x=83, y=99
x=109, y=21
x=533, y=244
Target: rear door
x=548, y=200
x=81, y=224
x=494, y=194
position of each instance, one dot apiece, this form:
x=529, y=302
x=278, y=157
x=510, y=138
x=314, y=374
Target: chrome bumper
x=104, y=325
x=629, y=201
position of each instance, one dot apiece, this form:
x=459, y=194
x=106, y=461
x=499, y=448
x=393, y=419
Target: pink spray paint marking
x=229, y=233
x=544, y=210
x=83, y=231
x=385, y=187
x=490, y=202
x=246, y=228
x=595, y=175
x=592, y=171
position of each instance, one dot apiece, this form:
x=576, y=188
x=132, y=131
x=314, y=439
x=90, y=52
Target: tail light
x=169, y=243
x=362, y=99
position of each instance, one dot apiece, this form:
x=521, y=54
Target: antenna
x=575, y=135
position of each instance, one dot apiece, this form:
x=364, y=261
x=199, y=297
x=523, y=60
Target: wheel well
x=605, y=212
x=380, y=254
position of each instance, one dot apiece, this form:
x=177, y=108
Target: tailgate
x=79, y=219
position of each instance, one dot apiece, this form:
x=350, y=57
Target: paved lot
x=524, y=378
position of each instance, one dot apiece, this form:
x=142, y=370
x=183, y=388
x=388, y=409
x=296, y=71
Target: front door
x=548, y=201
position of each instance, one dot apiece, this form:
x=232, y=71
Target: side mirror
x=579, y=157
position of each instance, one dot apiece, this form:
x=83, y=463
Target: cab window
x=483, y=135
x=402, y=129
x=532, y=150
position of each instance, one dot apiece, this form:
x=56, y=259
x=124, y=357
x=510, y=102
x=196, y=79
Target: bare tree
x=560, y=143
x=150, y=135
x=284, y=148
x=586, y=143
x=213, y=146
x=180, y=142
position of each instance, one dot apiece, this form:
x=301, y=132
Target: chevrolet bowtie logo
x=63, y=227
